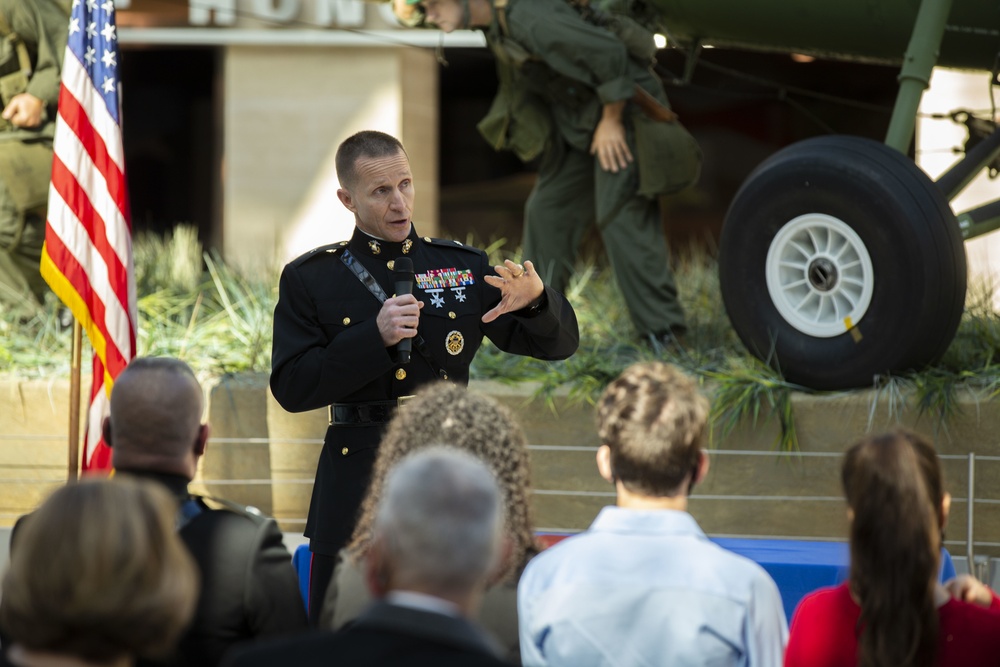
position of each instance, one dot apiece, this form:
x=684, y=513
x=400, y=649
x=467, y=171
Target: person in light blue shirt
x=644, y=586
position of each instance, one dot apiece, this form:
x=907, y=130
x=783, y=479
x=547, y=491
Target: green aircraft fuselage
x=865, y=30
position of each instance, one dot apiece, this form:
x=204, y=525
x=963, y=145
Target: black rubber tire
x=909, y=231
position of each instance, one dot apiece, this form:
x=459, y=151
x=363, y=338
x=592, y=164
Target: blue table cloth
x=302, y=561
x=800, y=567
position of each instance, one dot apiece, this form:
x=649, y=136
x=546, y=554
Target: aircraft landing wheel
x=841, y=260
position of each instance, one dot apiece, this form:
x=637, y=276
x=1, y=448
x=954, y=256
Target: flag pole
x=74, y=403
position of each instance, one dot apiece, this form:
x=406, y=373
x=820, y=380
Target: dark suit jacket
x=347, y=598
x=385, y=635
x=249, y=588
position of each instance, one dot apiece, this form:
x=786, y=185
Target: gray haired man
x=437, y=538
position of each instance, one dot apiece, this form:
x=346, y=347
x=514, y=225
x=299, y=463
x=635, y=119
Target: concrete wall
x=34, y=449
x=261, y=455
x=752, y=494
x=286, y=109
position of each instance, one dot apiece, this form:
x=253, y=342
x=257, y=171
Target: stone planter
x=261, y=455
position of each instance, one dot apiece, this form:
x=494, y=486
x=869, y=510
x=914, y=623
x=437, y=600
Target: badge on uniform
x=455, y=343
x=436, y=281
x=374, y=247
x=407, y=244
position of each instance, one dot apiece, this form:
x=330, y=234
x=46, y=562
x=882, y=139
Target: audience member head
x=445, y=413
x=652, y=424
x=363, y=145
x=155, y=419
x=897, y=507
x=100, y=575
x=438, y=527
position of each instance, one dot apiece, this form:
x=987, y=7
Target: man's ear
x=376, y=575
x=702, y=469
x=347, y=200
x=604, y=464
x=505, y=552
x=106, y=431
x=945, y=509
x=201, y=443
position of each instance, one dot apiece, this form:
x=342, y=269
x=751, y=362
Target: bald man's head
x=155, y=422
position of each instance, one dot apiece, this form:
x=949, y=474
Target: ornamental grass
x=194, y=306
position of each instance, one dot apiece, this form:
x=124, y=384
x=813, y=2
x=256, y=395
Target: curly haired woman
x=446, y=414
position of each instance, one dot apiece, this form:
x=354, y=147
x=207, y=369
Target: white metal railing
x=970, y=500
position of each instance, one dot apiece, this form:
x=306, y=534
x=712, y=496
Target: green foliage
x=222, y=326
x=747, y=390
x=936, y=391
x=36, y=347
x=977, y=343
x=170, y=263
x=218, y=318
x=191, y=305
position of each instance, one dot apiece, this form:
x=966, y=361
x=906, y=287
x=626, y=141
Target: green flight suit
x=26, y=154
x=567, y=69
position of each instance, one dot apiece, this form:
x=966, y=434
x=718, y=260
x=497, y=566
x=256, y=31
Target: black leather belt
x=374, y=412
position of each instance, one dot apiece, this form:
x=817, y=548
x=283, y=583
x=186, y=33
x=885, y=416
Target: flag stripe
x=89, y=267
x=78, y=84
x=91, y=142
x=96, y=452
x=106, y=273
x=74, y=157
x=86, y=220
x=63, y=288
x=94, y=318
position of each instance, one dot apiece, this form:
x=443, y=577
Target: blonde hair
x=653, y=419
x=444, y=413
x=99, y=572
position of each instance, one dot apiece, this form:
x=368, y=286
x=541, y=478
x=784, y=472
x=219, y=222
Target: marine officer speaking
x=342, y=329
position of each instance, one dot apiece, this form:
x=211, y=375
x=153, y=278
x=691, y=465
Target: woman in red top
x=892, y=612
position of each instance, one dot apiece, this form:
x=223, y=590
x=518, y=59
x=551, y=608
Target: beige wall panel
x=286, y=111
x=34, y=451
x=236, y=411
x=419, y=86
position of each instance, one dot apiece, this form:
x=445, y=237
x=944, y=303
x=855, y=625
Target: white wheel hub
x=819, y=275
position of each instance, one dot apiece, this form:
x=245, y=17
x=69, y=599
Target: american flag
x=87, y=259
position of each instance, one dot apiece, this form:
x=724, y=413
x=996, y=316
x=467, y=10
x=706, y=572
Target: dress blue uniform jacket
x=327, y=349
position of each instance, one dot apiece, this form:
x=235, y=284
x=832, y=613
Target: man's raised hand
x=520, y=287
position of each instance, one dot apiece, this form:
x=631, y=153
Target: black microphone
x=402, y=274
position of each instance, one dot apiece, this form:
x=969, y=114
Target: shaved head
x=363, y=145
x=155, y=422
